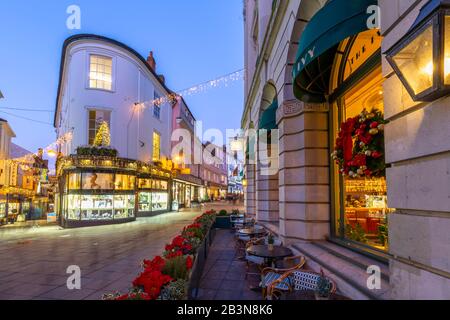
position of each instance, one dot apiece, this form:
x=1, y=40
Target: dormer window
x=100, y=72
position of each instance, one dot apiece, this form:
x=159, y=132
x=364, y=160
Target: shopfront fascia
x=104, y=190
x=345, y=73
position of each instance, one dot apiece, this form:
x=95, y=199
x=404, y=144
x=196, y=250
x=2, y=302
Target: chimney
x=151, y=61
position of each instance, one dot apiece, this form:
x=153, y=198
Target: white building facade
x=104, y=80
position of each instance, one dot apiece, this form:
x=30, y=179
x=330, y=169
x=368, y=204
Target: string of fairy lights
x=50, y=150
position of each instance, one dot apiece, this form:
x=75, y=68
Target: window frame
x=155, y=132
x=113, y=70
x=156, y=95
x=88, y=110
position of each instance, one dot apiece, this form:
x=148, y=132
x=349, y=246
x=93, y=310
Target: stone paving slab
x=33, y=262
x=224, y=277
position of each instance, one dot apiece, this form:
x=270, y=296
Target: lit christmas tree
x=103, y=137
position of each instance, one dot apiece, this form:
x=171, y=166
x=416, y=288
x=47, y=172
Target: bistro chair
x=296, y=280
x=271, y=275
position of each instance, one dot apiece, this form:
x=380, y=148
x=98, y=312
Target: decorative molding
x=292, y=108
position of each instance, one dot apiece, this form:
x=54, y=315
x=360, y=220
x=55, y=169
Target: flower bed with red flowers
x=167, y=277
x=359, y=149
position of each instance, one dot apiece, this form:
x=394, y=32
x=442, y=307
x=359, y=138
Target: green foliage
x=223, y=212
x=383, y=235
x=176, y=267
x=356, y=234
x=175, y=290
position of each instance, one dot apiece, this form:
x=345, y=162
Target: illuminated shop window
x=100, y=72
x=124, y=182
x=74, y=181
x=97, y=181
x=145, y=183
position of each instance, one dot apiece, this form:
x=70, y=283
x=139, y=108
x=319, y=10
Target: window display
x=124, y=182
x=360, y=185
x=145, y=183
x=159, y=185
x=97, y=181
x=96, y=207
x=74, y=181
x=123, y=206
x=145, y=199
x=160, y=201
x=2, y=209
x=73, y=207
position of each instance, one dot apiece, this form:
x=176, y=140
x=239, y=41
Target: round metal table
x=271, y=256
x=251, y=232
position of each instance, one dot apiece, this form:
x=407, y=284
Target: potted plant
x=271, y=241
x=324, y=287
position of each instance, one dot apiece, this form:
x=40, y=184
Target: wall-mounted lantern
x=421, y=59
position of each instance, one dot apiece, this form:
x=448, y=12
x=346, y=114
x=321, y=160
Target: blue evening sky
x=193, y=41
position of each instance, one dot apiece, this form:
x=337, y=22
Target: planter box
x=222, y=222
x=199, y=265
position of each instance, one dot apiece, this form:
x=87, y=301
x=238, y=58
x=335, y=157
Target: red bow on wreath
x=347, y=129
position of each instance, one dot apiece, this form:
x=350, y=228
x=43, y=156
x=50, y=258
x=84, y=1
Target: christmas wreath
x=359, y=150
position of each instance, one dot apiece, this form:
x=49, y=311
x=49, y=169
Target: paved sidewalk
x=224, y=274
x=33, y=264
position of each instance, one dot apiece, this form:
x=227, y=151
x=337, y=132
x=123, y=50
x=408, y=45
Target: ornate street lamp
x=421, y=59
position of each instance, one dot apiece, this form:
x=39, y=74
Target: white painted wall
x=132, y=82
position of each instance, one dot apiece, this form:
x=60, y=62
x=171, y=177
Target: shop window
x=145, y=203
x=73, y=207
x=74, y=181
x=96, y=118
x=97, y=181
x=100, y=72
x=160, y=201
x=96, y=207
x=145, y=183
x=359, y=188
x=159, y=185
x=124, y=182
x=123, y=206
x=156, y=146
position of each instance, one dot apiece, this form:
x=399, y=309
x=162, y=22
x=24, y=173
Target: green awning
x=336, y=21
x=269, y=117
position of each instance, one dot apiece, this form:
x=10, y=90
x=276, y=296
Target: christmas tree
x=103, y=137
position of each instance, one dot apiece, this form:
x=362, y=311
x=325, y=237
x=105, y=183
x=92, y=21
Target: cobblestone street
x=33, y=262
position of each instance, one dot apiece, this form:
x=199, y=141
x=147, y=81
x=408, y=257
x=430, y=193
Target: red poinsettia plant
x=152, y=279
x=179, y=246
x=359, y=148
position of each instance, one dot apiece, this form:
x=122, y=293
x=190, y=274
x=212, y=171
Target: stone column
x=249, y=190
x=304, y=186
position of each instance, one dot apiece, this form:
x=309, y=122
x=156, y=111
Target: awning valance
x=336, y=21
x=269, y=117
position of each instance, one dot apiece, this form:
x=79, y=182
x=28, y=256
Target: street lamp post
x=421, y=59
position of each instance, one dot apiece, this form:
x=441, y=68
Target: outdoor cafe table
x=271, y=256
x=251, y=232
